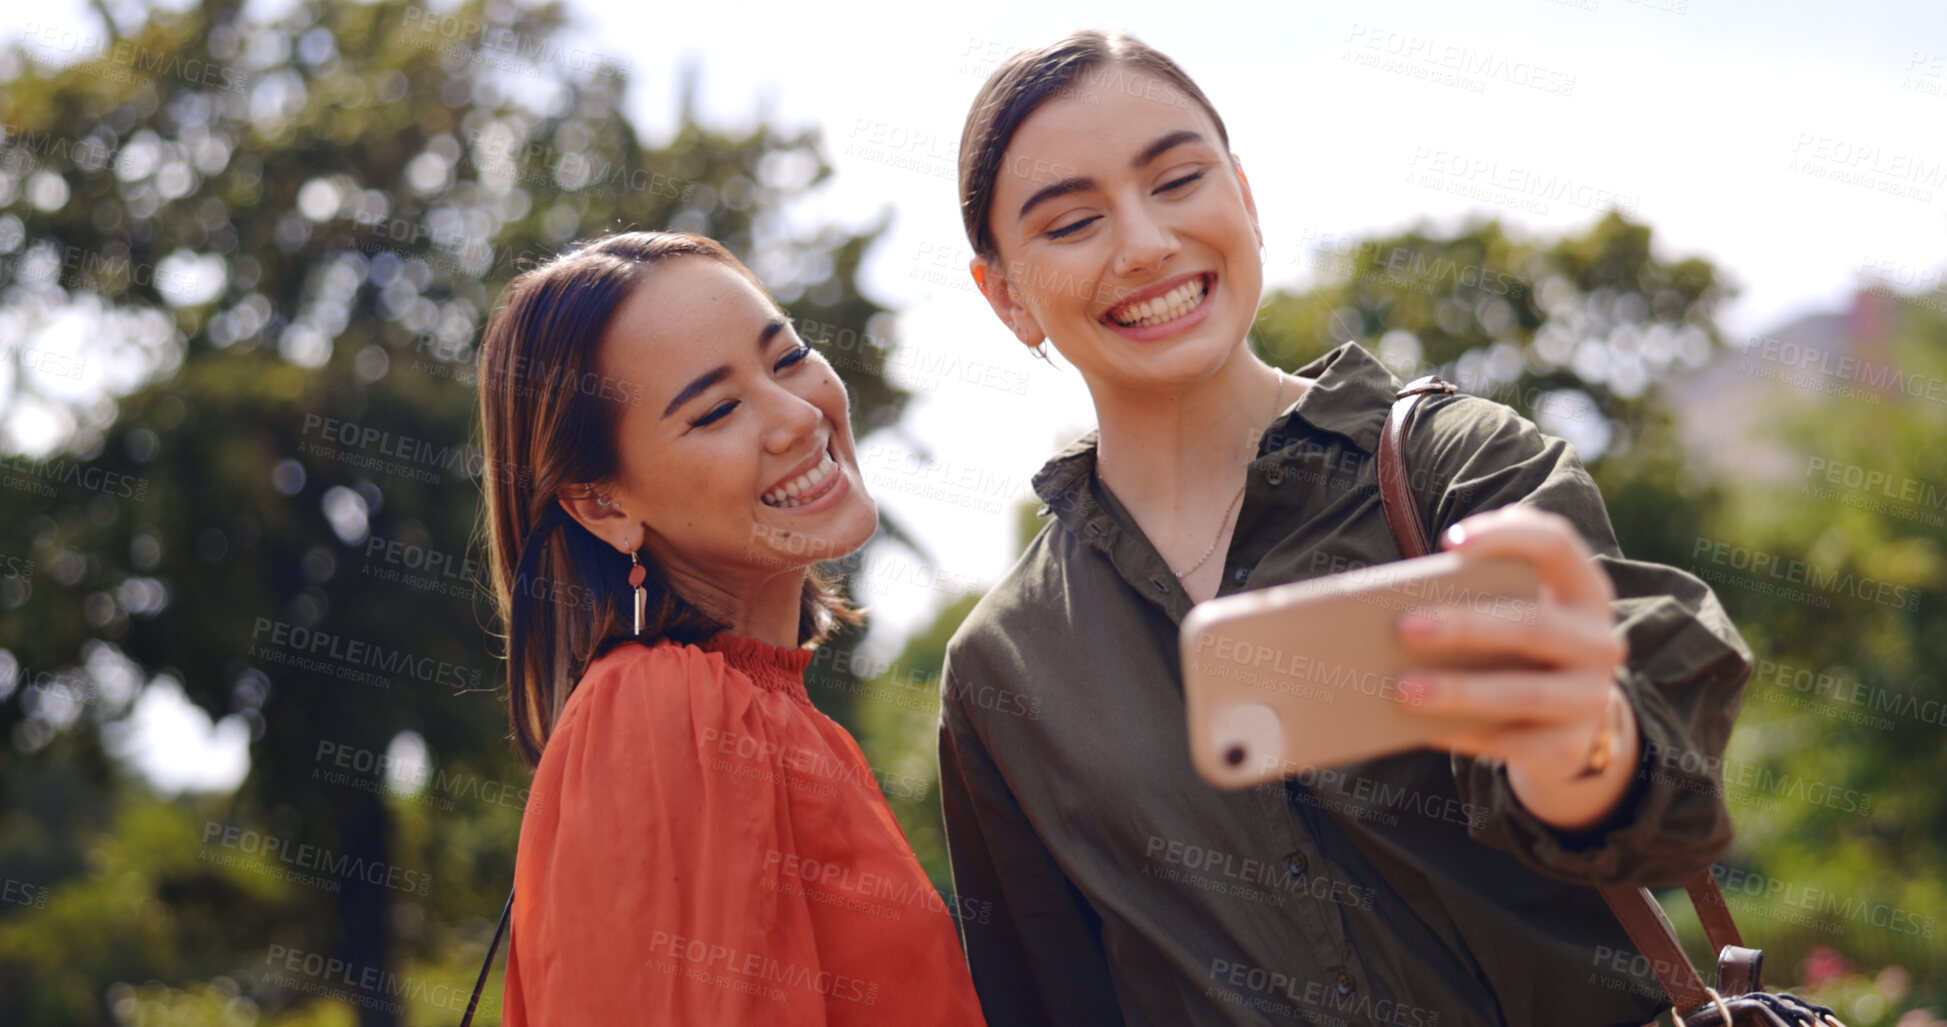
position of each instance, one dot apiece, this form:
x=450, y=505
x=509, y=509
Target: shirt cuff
x=1670, y=822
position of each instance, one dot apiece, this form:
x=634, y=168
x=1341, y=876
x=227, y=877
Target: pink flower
x=1823, y=965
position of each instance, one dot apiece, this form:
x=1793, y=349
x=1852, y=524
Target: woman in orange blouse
x=667, y=461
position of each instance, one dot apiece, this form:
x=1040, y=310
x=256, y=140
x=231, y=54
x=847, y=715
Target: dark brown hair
x=1027, y=80
x=562, y=594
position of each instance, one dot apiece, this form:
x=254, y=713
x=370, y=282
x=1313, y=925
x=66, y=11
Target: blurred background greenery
x=253, y=262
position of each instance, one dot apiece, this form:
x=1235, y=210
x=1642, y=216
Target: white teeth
x=1168, y=307
x=786, y=496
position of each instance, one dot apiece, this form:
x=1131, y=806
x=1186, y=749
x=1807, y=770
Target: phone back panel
x=1307, y=674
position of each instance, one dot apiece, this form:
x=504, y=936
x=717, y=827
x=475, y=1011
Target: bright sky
x=1793, y=144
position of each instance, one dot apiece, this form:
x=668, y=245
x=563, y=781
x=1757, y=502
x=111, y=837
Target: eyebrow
x=716, y=374
x=1162, y=145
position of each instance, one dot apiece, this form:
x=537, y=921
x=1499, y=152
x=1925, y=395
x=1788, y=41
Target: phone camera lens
x=1234, y=755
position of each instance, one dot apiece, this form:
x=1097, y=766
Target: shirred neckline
x=772, y=668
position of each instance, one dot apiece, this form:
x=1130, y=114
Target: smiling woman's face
x=1126, y=235
x=738, y=453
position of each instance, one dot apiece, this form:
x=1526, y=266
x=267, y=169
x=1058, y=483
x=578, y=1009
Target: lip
x=1167, y=328
x=809, y=462
x=839, y=483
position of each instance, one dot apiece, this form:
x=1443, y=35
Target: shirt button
x=1295, y=863
x=1344, y=983
x=1241, y=574
x=1274, y=474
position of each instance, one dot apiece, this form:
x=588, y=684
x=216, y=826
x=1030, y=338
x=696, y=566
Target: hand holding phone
x=1308, y=674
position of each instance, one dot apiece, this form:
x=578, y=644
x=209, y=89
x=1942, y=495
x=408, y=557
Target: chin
x=1177, y=363
x=837, y=534
x=858, y=523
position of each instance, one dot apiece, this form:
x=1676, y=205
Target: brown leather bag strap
x=1635, y=908
x=1395, y=492
x=1653, y=936
x=1713, y=911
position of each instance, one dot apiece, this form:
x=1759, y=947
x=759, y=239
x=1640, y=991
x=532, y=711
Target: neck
x=767, y=610
x=1156, y=448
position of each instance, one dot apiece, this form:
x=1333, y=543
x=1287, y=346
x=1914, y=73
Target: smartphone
x=1285, y=679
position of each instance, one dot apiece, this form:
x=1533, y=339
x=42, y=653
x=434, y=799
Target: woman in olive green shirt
x=1449, y=885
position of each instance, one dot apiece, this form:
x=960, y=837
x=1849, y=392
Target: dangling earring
x=637, y=572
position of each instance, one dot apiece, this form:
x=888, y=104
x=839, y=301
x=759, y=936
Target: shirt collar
x=1351, y=394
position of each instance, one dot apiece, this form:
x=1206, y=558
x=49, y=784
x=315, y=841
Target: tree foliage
x=247, y=263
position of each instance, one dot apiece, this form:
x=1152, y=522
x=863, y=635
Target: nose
x=1145, y=244
x=790, y=419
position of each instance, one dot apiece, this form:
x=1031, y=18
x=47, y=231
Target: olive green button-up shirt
x=1415, y=891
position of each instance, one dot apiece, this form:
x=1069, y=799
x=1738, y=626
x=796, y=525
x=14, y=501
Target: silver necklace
x=1276, y=404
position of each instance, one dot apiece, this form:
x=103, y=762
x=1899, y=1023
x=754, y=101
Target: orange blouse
x=702, y=846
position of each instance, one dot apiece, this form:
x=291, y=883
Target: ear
x=1250, y=202
x=606, y=521
x=1006, y=301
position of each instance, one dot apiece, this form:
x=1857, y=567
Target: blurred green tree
x=244, y=264
x=1837, y=758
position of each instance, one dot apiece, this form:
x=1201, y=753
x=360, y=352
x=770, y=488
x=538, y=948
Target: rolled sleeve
x=1684, y=675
